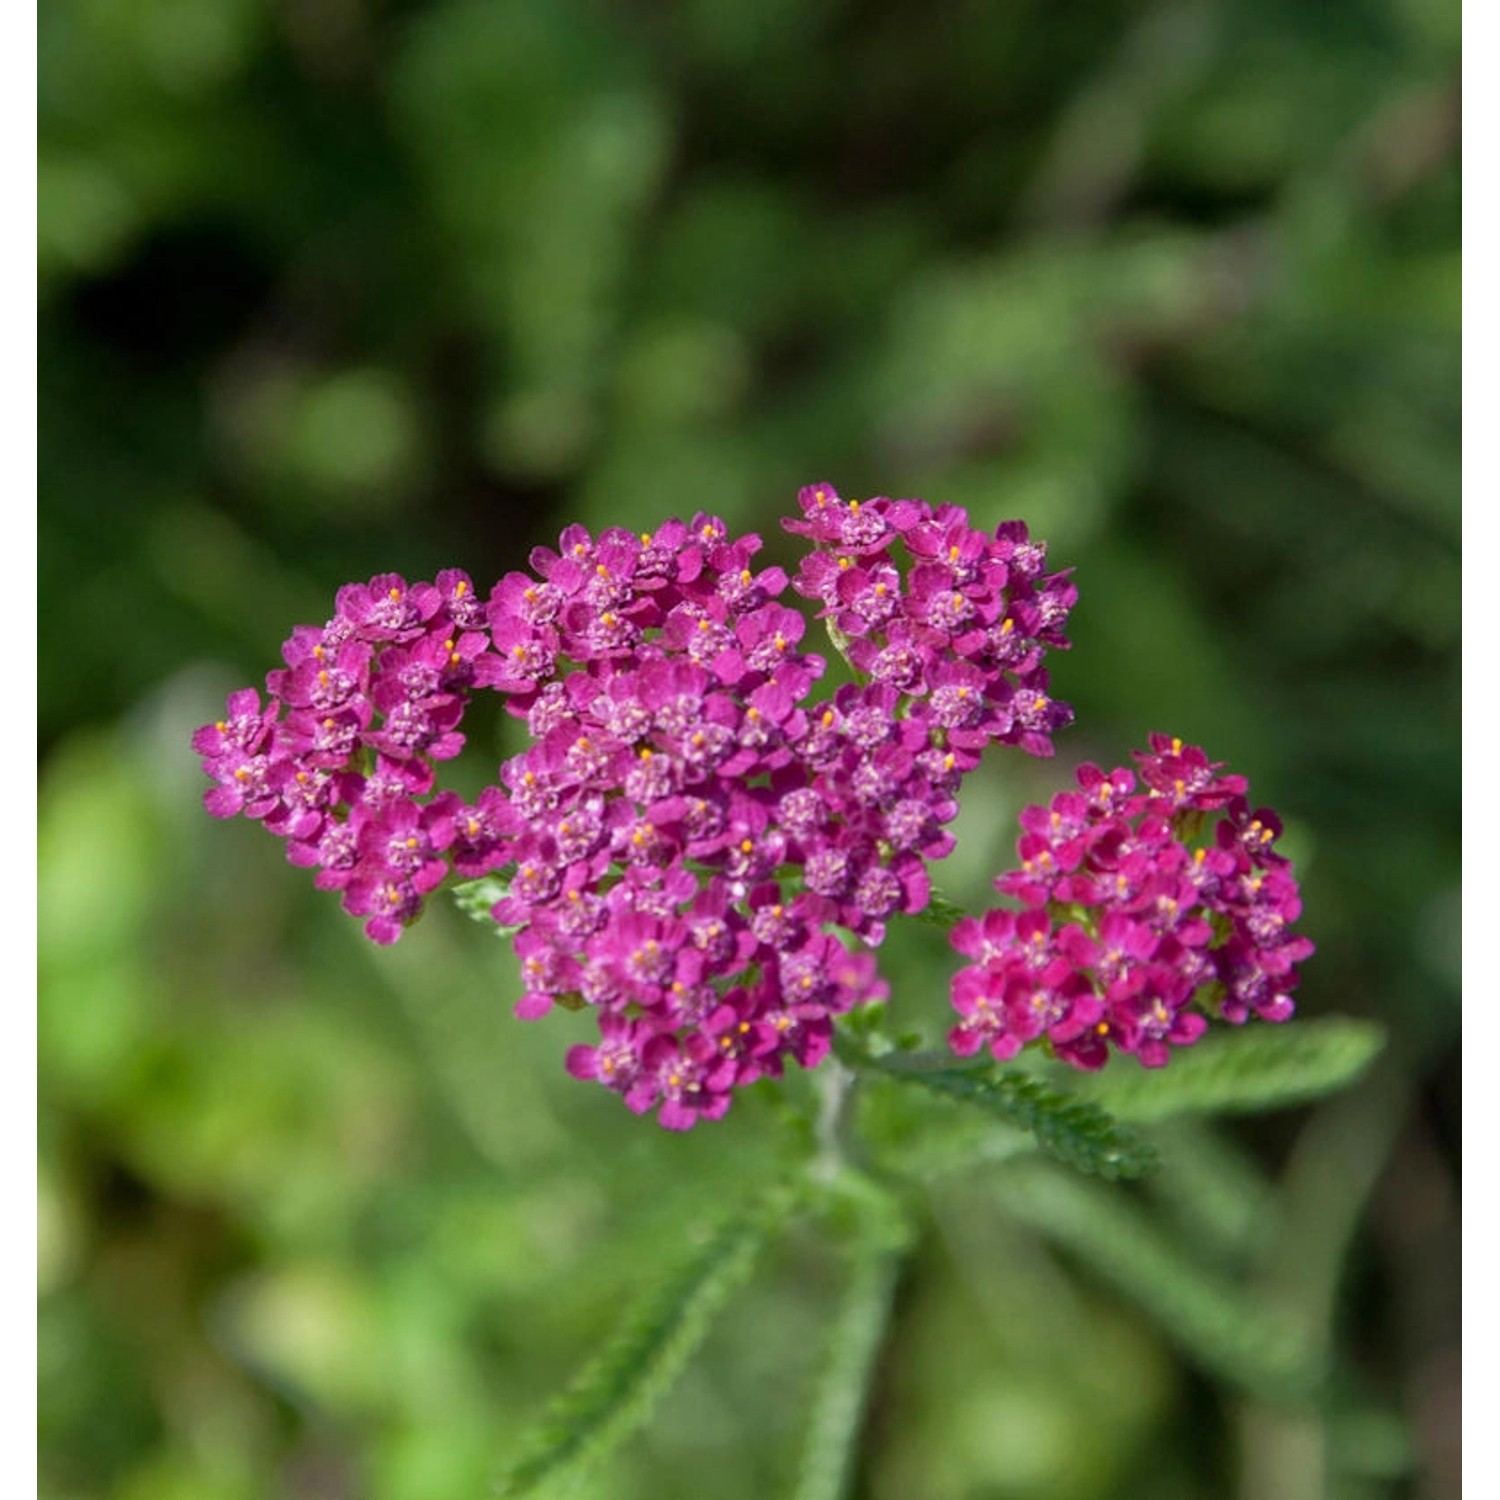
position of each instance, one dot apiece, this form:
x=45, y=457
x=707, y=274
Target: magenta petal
x=675, y=1115
x=222, y=801
x=964, y=1042
x=582, y=1062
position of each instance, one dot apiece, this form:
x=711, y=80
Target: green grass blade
x=617, y=1391
x=1241, y=1071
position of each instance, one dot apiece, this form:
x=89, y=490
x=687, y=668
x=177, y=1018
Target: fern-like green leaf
x=1072, y=1130
x=1213, y=1322
x=1213, y=1194
x=908, y=1136
x=618, y=1389
x=940, y=912
x=1241, y=1071
x=475, y=898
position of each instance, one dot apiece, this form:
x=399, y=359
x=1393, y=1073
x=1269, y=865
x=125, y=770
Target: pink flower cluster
x=689, y=831
x=962, y=628
x=341, y=757
x=1145, y=910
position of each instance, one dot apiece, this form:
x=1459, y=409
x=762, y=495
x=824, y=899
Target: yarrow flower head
x=961, y=629
x=693, y=845
x=340, y=759
x=1150, y=902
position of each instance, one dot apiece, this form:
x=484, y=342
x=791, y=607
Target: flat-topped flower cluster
x=339, y=760
x=703, y=848
x=1146, y=908
x=694, y=845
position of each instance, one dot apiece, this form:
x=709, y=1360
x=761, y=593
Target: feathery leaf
x=618, y=1389
x=1214, y=1323
x=940, y=912
x=1241, y=1071
x=1071, y=1129
x=475, y=898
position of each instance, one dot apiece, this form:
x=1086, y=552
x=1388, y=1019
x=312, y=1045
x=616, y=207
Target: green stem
x=839, y=1401
x=835, y=1085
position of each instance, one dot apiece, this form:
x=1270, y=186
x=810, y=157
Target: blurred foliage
x=337, y=286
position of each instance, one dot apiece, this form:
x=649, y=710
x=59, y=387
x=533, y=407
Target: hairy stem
x=837, y=1413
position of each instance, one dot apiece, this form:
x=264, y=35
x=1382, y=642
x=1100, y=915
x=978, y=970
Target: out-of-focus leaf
x=1214, y=1192
x=617, y=1391
x=1213, y=1322
x=1240, y=1072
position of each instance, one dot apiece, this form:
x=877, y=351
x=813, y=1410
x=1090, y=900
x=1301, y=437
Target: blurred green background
x=330, y=287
